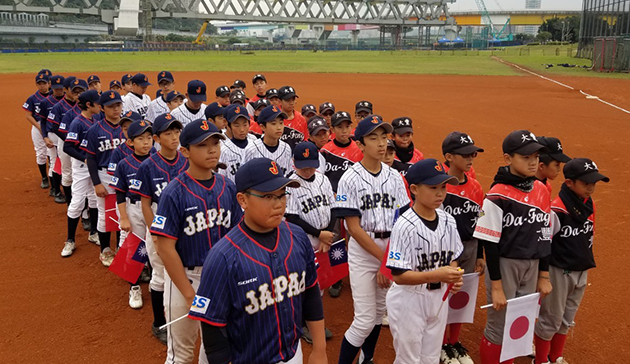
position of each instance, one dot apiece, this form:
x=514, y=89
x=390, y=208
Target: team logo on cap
x=76, y=81
x=198, y=90
x=274, y=168
x=168, y=117
x=438, y=167
x=466, y=140
x=528, y=137
x=306, y=153
x=111, y=96
x=204, y=125
x=163, y=74
x=559, y=147
x=275, y=109
x=375, y=120
x=237, y=110
x=145, y=78
x=589, y=166
x=405, y=122
x=59, y=80
x=142, y=123
x=41, y=76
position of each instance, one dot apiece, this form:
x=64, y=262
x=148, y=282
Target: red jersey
x=254, y=128
x=464, y=203
x=471, y=173
x=295, y=130
x=339, y=158
x=256, y=98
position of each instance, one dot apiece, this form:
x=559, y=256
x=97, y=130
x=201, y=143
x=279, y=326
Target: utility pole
x=147, y=20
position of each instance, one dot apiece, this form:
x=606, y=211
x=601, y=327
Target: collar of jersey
x=255, y=242
x=214, y=175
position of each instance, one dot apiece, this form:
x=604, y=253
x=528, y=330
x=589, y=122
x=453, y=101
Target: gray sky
x=467, y=5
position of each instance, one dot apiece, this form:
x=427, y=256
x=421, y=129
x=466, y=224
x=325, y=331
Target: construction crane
x=485, y=16
x=201, y=33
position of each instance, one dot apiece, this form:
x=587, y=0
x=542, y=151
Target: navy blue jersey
x=44, y=109
x=156, y=173
x=196, y=216
x=124, y=179
x=101, y=140
x=33, y=105
x=67, y=119
x=56, y=114
x=78, y=131
x=120, y=153
x=256, y=293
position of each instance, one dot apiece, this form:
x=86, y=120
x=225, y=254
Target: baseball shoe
x=106, y=257
x=328, y=333
x=385, y=321
x=159, y=334
x=93, y=238
x=533, y=354
x=448, y=355
x=45, y=184
x=135, y=297
x=561, y=360
x=145, y=276
x=86, y=224
x=335, y=289
x=52, y=193
x=60, y=198
x=68, y=248
x=461, y=354
x=306, y=335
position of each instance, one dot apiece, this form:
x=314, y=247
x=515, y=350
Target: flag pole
x=172, y=322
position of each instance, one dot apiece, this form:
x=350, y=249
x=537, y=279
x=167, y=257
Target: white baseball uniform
x=184, y=115
x=282, y=155
x=156, y=108
x=136, y=103
x=82, y=186
x=415, y=318
x=232, y=156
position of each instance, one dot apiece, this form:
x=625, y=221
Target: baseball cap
x=308, y=109
x=140, y=79
x=459, y=143
x=554, y=149
x=42, y=77
x=259, y=77
x=363, y=106
x=131, y=116
x=237, y=96
x=77, y=83
x=93, y=78
x=270, y=113
x=213, y=110
x=339, y=117
x=89, y=96
x=45, y=71
x=271, y=93
x=222, y=91
x=316, y=124
x=583, y=169
x=262, y=174
x=429, y=172
x=522, y=142
x=68, y=81
x=305, y=155
x=163, y=122
x=165, y=75
x=137, y=128
x=260, y=103
x=390, y=144
x=174, y=94
x=56, y=82
x=286, y=92
x=115, y=83
x=369, y=124
x=238, y=84
x=197, y=91
x=326, y=106
x=402, y=125
x=197, y=131
x=109, y=97
x=126, y=78
x=233, y=112
x=159, y=93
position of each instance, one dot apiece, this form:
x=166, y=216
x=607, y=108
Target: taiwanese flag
x=57, y=167
x=333, y=265
x=130, y=259
x=384, y=270
x=111, y=214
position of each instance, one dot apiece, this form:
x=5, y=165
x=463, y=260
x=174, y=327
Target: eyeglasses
x=270, y=197
x=327, y=114
x=471, y=155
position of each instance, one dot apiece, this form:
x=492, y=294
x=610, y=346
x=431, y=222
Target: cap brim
x=288, y=96
x=110, y=102
x=141, y=131
x=318, y=129
x=560, y=157
x=468, y=149
x=403, y=130
x=439, y=179
x=593, y=177
x=258, y=78
x=326, y=109
x=197, y=98
x=308, y=163
x=223, y=94
x=56, y=86
x=367, y=109
x=340, y=121
x=275, y=184
x=530, y=149
x=144, y=84
x=165, y=79
x=168, y=125
x=237, y=117
x=387, y=126
x=205, y=136
x=78, y=86
x=309, y=114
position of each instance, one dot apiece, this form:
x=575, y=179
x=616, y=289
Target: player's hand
x=100, y=190
x=449, y=274
x=326, y=237
x=318, y=357
x=544, y=286
x=457, y=286
x=498, y=299
x=125, y=225
x=480, y=266
x=49, y=143
x=382, y=281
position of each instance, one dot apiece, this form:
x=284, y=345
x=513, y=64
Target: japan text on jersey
x=101, y=139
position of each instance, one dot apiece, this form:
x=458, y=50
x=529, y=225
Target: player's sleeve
x=555, y=222
x=113, y=161
x=119, y=180
x=213, y=300
x=143, y=177
x=402, y=197
x=168, y=218
x=347, y=202
x=90, y=143
x=73, y=132
x=29, y=106
x=490, y=225
x=401, y=246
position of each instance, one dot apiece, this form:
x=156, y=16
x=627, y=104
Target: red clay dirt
x=73, y=310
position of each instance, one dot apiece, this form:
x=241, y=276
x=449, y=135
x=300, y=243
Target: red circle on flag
x=519, y=328
x=459, y=300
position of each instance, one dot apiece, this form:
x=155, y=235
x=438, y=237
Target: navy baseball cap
x=197, y=131
x=259, y=77
x=174, y=94
x=262, y=174
x=45, y=71
x=260, y=103
x=213, y=110
x=137, y=128
x=306, y=155
x=42, y=77
x=238, y=84
x=109, y=97
x=78, y=83
x=56, y=82
x=270, y=113
x=554, y=149
x=165, y=75
x=308, y=110
x=159, y=93
x=317, y=124
x=89, y=96
x=459, y=143
x=271, y=93
x=140, y=79
x=402, y=125
x=222, y=91
x=68, y=81
x=340, y=117
x=126, y=78
x=286, y=92
x=93, y=78
x=233, y=112
x=583, y=169
x=326, y=106
x=363, y=106
x=522, y=142
x=429, y=172
x=369, y=124
x=131, y=116
x=163, y=122
x=115, y=83
x=197, y=91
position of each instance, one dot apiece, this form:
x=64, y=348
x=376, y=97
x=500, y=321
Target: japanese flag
x=461, y=305
x=518, y=333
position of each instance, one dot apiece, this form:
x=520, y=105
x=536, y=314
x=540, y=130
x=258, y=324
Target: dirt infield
x=73, y=310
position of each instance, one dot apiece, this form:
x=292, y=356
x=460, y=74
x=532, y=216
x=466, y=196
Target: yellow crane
x=201, y=32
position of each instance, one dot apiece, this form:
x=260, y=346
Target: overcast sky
x=467, y=5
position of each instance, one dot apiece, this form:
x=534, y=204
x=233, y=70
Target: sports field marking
x=588, y=96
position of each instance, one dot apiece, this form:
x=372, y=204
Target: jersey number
x=199, y=223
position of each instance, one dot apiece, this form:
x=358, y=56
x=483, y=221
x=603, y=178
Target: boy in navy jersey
x=571, y=258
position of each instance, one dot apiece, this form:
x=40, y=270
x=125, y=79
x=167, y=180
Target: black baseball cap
x=429, y=172
x=138, y=127
x=56, y=82
x=109, y=97
x=93, y=78
x=522, y=142
x=391, y=144
x=270, y=113
x=197, y=131
x=286, y=92
x=259, y=77
x=131, y=116
x=238, y=84
x=260, y=103
x=237, y=96
x=45, y=71
x=308, y=109
x=115, y=83
x=42, y=77
x=163, y=122
x=306, y=155
x=165, y=75
x=174, y=94
x=140, y=79
x=339, y=117
x=583, y=169
x=369, y=124
x=213, y=110
x=326, y=106
x=271, y=93
x=233, y=112
x=262, y=174
x=89, y=96
x=317, y=124
x=196, y=91
x=554, y=149
x=363, y=106
x=459, y=143
x=402, y=125
x=222, y=91
x=126, y=78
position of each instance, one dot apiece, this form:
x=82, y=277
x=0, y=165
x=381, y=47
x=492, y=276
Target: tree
x=523, y=37
x=543, y=37
x=562, y=30
x=31, y=40
x=64, y=37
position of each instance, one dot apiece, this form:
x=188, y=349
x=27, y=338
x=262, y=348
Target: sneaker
x=60, y=198
x=135, y=297
x=561, y=360
x=68, y=248
x=45, y=184
x=335, y=289
x=306, y=335
x=145, y=276
x=533, y=354
x=385, y=321
x=461, y=354
x=328, y=333
x=448, y=355
x=93, y=238
x=87, y=226
x=52, y=192
x=159, y=334
x=107, y=256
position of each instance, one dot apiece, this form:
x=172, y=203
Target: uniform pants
x=100, y=201
x=468, y=258
x=157, y=267
x=297, y=358
x=558, y=309
x=416, y=325
x=82, y=188
x=368, y=297
x=519, y=278
x=136, y=219
x=52, y=153
x=182, y=335
x=66, y=164
x=39, y=146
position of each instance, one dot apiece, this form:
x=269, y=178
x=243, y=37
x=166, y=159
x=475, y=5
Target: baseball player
x=272, y=96
x=551, y=162
x=94, y=83
x=194, y=106
x=260, y=85
x=238, y=97
x=260, y=280
x=195, y=211
x=115, y=85
x=166, y=82
x=422, y=255
x=137, y=100
x=82, y=187
x=370, y=194
x=215, y=114
x=271, y=121
x=295, y=127
x=341, y=152
x=239, y=85
x=174, y=99
x=257, y=107
x=327, y=110
x=403, y=141
x=515, y=231
x=362, y=109
x=126, y=83
x=101, y=139
x=308, y=111
x=32, y=108
x=222, y=94
x=233, y=149
x=124, y=149
x=45, y=71
x=318, y=134
x=463, y=202
x=571, y=258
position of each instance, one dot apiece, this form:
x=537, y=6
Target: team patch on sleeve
x=135, y=184
x=199, y=304
x=111, y=167
x=158, y=222
x=114, y=181
x=72, y=136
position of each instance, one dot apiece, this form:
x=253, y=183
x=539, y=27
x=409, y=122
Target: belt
x=434, y=286
x=381, y=234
